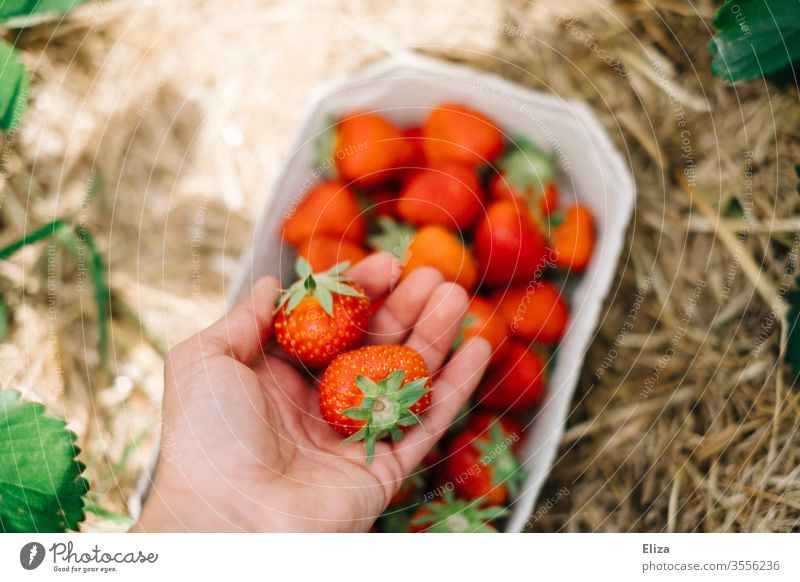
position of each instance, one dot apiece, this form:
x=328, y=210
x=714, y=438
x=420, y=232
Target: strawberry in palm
x=375, y=392
x=321, y=315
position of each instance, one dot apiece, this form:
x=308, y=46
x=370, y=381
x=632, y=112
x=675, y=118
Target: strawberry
x=374, y=392
x=368, y=149
x=515, y=385
x=450, y=515
x=528, y=175
x=382, y=202
x=572, y=238
x=484, y=319
x=481, y=422
x=321, y=315
x=329, y=209
x=323, y=252
x=509, y=246
x=430, y=246
x=447, y=194
x=535, y=312
x=480, y=463
x=415, y=139
x=458, y=133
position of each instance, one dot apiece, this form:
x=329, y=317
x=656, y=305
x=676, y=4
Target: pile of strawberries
x=455, y=195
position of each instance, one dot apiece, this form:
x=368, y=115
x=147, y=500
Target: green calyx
x=394, y=237
x=527, y=168
x=321, y=286
x=450, y=515
x=385, y=408
x=497, y=454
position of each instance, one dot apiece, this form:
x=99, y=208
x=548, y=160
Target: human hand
x=245, y=447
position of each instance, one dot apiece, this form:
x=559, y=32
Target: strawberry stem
x=385, y=408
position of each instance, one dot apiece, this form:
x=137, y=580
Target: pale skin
x=244, y=446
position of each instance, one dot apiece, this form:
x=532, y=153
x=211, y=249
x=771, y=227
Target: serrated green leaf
x=20, y=8
x=41, y=488
x=755, y=38
x=14, y=87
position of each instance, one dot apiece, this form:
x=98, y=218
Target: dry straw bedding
x=685, y=418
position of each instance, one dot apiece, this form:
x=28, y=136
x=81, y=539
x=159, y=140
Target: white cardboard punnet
x=403, y=87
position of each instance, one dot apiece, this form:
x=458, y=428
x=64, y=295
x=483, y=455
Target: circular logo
x=31, y=555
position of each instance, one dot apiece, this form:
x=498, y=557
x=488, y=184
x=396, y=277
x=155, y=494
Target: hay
x=184, y=109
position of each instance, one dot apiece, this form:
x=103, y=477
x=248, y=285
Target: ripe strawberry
x=329, y=209
x=509, y=246
x=382, y=202
x=484, y=319
x=528, y=175
x=482, y=464
x=450, y=515
x=415, y=139
x=458, y=133
x=430, y=246
x=321, y=315
x=481, y=422
x=374, y=392
x=535, y=312
x=515, y=385
x=368, y=149
x=572, y=238
x=447, y=194
x=324, y=252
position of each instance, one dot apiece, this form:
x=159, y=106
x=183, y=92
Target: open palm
x=244, y=445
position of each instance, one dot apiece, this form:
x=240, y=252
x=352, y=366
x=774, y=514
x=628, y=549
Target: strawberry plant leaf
x=41, y=488
x=755, y=38
x=17, y=9
x=14, y=87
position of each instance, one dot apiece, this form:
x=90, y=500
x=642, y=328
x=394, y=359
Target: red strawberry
x=323, y=252
x=484, y=319
x=509, y=246
x=535, y=312
x=374, y=392
x=447, y=194
x=321, y=315
x=329, y=209
x=482, y=464
x=369, y=149
x=527, y=174
x=415, y=139
x=517, y=384
x=481, y=422
x=382, y=202
x=454, y=132
x=572, y=238
x=450, y=515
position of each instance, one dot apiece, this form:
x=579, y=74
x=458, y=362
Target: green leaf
x=41, y=488
x=101, y=292
x=14, y=87
x=394, y=237
x=20, y=8
x=755, y=38
x=303, y=268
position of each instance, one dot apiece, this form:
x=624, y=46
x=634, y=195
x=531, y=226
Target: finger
x=438, y=324
x=451, y=391
x=395, y=320
x=243, y=331
x=376, y=273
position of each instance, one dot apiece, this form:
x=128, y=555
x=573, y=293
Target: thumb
x=243, y=331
